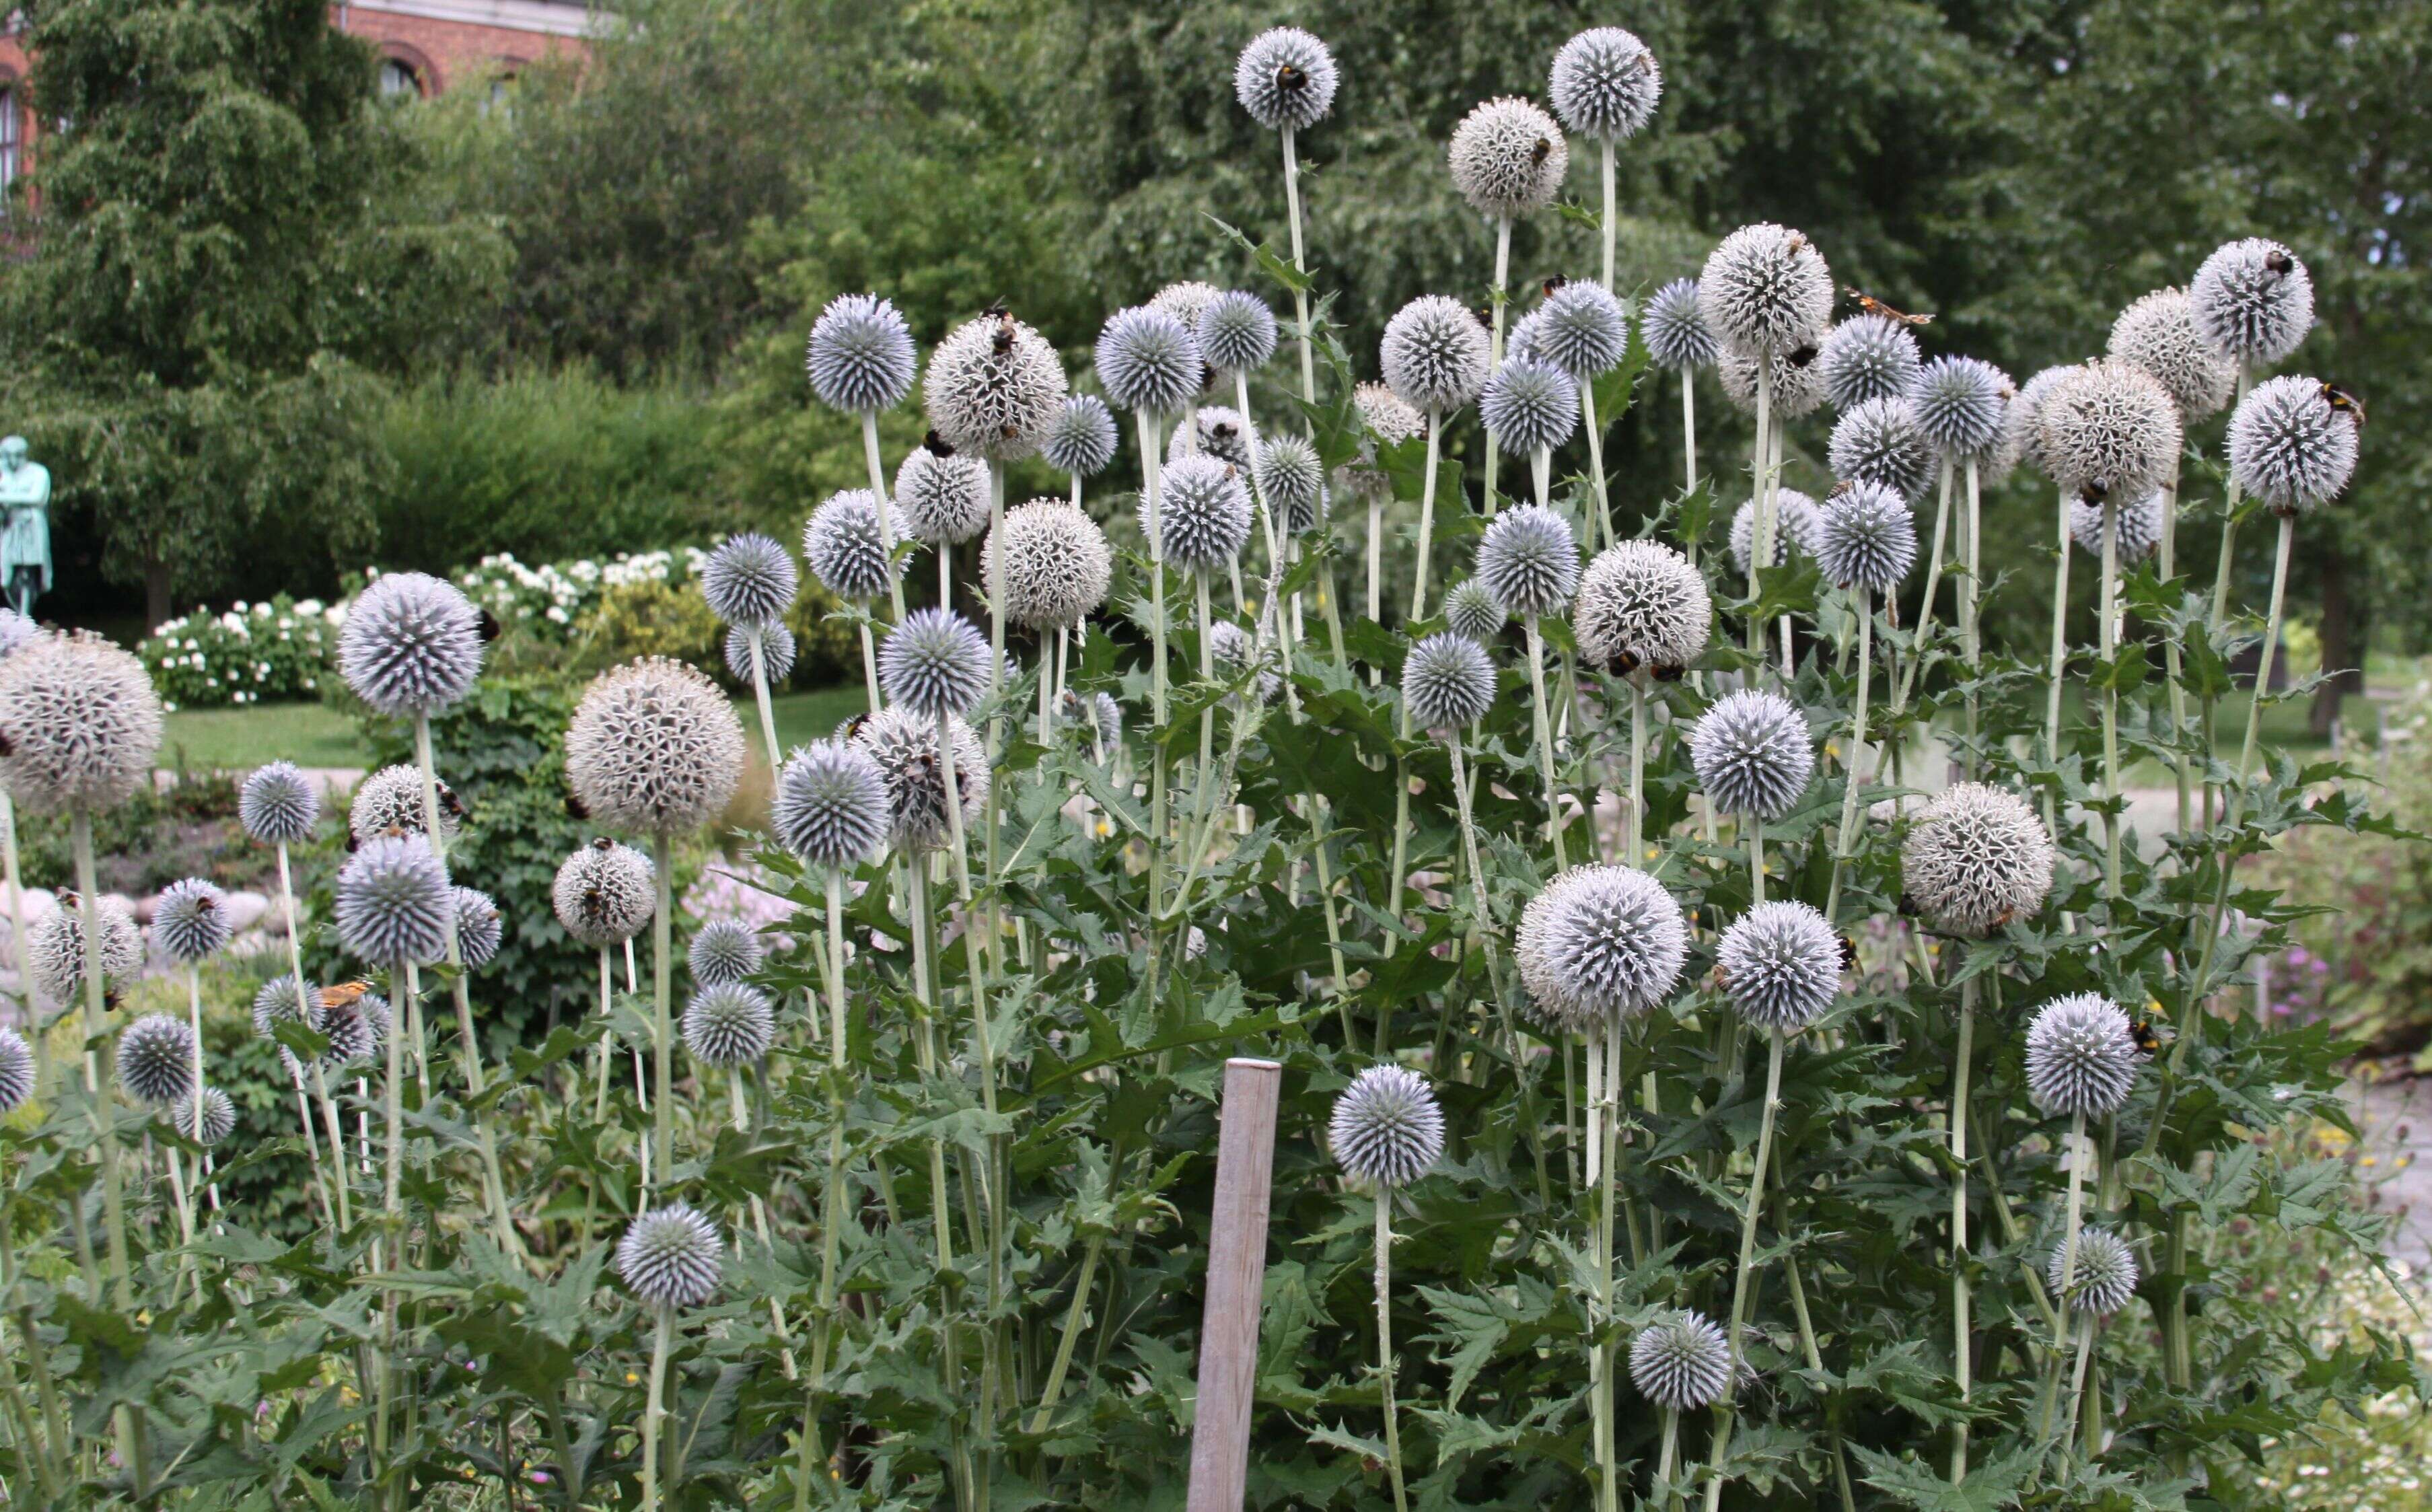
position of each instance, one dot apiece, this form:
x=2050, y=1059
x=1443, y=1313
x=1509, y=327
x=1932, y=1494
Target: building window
x=10, y=125
x=398, y=77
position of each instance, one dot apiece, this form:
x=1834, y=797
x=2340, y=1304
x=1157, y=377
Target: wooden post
x=1236, y=1270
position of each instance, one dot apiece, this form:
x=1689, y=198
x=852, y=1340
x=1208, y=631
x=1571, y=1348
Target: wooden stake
x=1237, y=1269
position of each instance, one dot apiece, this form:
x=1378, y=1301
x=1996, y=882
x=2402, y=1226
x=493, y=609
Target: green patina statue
x=25, y=526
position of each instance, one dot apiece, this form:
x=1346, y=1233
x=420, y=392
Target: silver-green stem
x=1605, y=153
x=2059, y=657
x=661, y=1326
x=663, y=1132
x=1960, y=1334
x=2107, y=600
x=832, y=1215
x=1853, y=768
x=2270, y=644
x=1554, y=815
x=1603, y=521
x=1496, y=299
x=760, y=695
x=96, y=1027
x=1761, y=538
x=1908, y=676
x=1689, y=429
x=1385, y=1344
x=1749, y=1215
x=886, y=521
x=1300, y=266
x=2170, y=656
x=1427, y=512
x=1970, y=640
x=1074, y=1317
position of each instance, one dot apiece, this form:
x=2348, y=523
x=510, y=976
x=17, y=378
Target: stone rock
x=245, y=909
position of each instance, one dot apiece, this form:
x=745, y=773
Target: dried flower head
x=1766, y=288
x=943, y=498
x=654, y=747
x=1471, y=611
x=2109, y=430
x=1082, y=440
x=1186, y=301
x=1530, y=560
x=412, y=644
x=749, y=578
x=935, y=662
x=390, y=798
x=2289, y=447
x=994, y=388
x=2158, y=334
x=1216, y=429
x=2081, y=1059
x=1868, y=357
x=728, y=1023
x=218, y=1114
x=16, y=1071
x=1054, y=562
x=1641, y=600
x=1203, y=513
x=1866, y=539
x=904, y=747
x=156, y=1060
x=2022, y=426
x=1285, y=78
x=1581, y=328
x=605, y=893
x=1605, y=83
x=1878, y=442
x=1447, y=681
x=1435, y=355
x=1797, y=381
x=1292, y=478
x=1508, y=158
x=191, y=920
x=846, y=542
x=1796, y=523
x=394, y=905
x=2253, y=300
x=2104, y=1278
x=1387, y=1130
x=1959, y=405
x=1977, y=858
x=1681, y=1362
x=1529, y=406
x=1149, y=360
x=670, y=1257
x=277, y=805
x=1780, y=965
x=860, y=355
x=1600, y=944
x=55, y=947
x=776, y=644
x=81, y=724
x=1752, y=753
x=1674, y=327
x=1237, y=332
x=2135, y=534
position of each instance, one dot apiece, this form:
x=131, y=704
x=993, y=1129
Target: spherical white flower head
x=1508, y=157
x=749, y=578
x=394, y=905
x=1752, y=753
x=1581, y=328
x=654, y=747
x=1600, y=944
x=1471, y=611
x=2081, y=1058
x=1780, y=965
x=1977, y=858
x=1292, y=478
x=1529, y=406
x=1230, y=650
x=156, y=1060
x=1797, y=381
x=670, y=1257
x=845, y=541
x=942, y=496
x=480, y=929
x=277, y=1001
x=1185, y=301
x=1766, y=287
x=55, y=947
x=1082, y=440
x=1447, y=681
x=1435, y=355
x=81, y=724
x=905, y=745
x=2290, y=447
x=605, y=893
x=728, y=1023
x=2104, y=1279
x=830, y=808
x=935, y=662
x=355, y=1031
x=1054, y=562
x=1388, y=416
x=724, y=949
x=2137, y=528
x=860, y=355
x=2109, y=430
x=1285, y=78
x=390, y=798
x=994, y=388
x=776, y=652
x=1387, y=1130
x=1096, y=716
x=279, y=805
x=16, y=1071
x=1216, y=429
x=1641, y=602
x=1237, y=332
x=2158, y=334
x=412, y=644
x=1203, y=513
x=1604, y=84
x=191, y=920
x=1530, y=560
x=1675, y=329
x=1797, y=523
x=1681, y=1362
x=1868, y=357
x=16, y=632
x=1878, y=442
x=218, y=1117
x=2022, y=427
x=1149, y=360
x=1959, y=404
x=1866, y=539
x=2253, y=300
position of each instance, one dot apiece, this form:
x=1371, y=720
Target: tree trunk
x=156, y=594
x=2344, y=636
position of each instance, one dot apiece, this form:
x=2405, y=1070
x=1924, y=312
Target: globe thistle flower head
x=2136, y=531
x=16, y=632
x=994, y=388
x=390, y=798
x=1097, y=716
x=1879, y=441
x=2081, y=1059
x=82, y=723
x=355, y=1031
x=16, y=1071
x=277, y=805
x=1055, y=563
x=860, y=355
x=2023, y=425
x=2104, y=1278
x=1186, y=301
x=1959, y=405
x=605, y=893
x=2291, y=447
x=394, y=905
x=935, y=662
x=2253, y=300
x=1681, y=1362
x=1641, y=602
x=1388, y=416
x=1766, y=288
x=1292, y=478
x=750, y=578
x=1508, y=158
x=218, y=1116
x=277, y=1003
x=1752, y=753
x=1600, y=944
x=156, y=1060
x=480, y=928
x=1674, y=326
x=1780, y=965
x=1471, y=611
x=191, y=920
x=1237, y=332
x=2158, y=334
x=1202, y=516
x=1605, y=84
x=1581, y=328
x=942, y=496
x=1977, y=858
x=670, y=1257
x=776, y=652
x=1215, y=429
x=1448, y=682
x=2109, y=430
x=1798, y=380
x=1149, y=360
x=846, y=542
x=905, y=745
x=55, y=947
x=1435, y=356
x=1867, y=357
x=831, y=807
x=728, y=1023
x=1231, y=652
x=412, y=644
x=724, y=949
x=1387, y=1130
x=1530, y=560
x=654, y=747
x=1797, y=523
x=1285, y=78
x=1529, y=406
x=1082, y=439
x=1866, y=539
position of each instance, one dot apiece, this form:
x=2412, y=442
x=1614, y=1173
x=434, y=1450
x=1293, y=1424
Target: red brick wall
x=444, y=53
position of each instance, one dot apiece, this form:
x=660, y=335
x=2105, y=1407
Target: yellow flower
x=632, y=1379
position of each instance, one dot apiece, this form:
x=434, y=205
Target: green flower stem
x=832, y=1203
x=1689, y=433
x=1671, y=1449
x=1845, y=845
x=388, y=1250
x=2221, y=576
x=1427, y=512
x=55, y=1440
x=1070, y=1335
x=2246, y=748
x=1749, y=1215
x=662, y=1324
x=2085, y=1403
x=1554, y=815
x=2109, y=610
x=2079, y=1152
x=991, y=1192
x=927, y=992
x=760, y=695
x=1971, y=641
x=195, y=1023
x=2011, y=1235
x=1385, y=1343
x=1151, y=487
x=1811, y=1350
x=1605, y=222
x=662, y=1132
x=1761, y=538
x=2059, y=660
x=607, y=1003
x=1907, y=681
x=1497, y=298
x=992, y=581
x=2171, y=655
x=1960, y=1255
x=1607, y=1044
x=96, y=1028
x=886, y=524
x=1300, y=266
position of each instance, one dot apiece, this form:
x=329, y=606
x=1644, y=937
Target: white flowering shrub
x=250, y=653
x=551, y=601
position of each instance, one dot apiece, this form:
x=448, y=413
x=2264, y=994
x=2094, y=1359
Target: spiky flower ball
x=277, y=1003
x=191, y=920
x=1292, y=478
x=480, y=927
x=994, y=388
x=156, y=1060
x=1868, y=357
x=654, y=747
x=1149, y=360
x=412, y=644
x=776, y=652
x=905, y=745
x=1237, y=332
x=2253, y=300
x=277, y=805
x=846, y=539
x=1387, y=1130
x=1508, y=158
x=1285, y=78
x=1866, y=539
x=1529, y=406
x=2136, y=532
x=2022, y=427
x=16, y=632
x=1780, y=965
x=1530, y=560
x=1471, y=611
x=1752, y=753
x=55, y=947
x=724, y=949
x=1959, y=404
x=2109, y=430
x=1600, y=944
x=829, y=809
x=2158, y=334
x=1231, y=652
x=1977, y=858
x=1202, y=510
x=1186, y=301
x=390, y=798
x=1766, y=288
x=1878, y=442
x=1797, y=381
x=728, y=1023
x=605, y=893
x=2081, y=1058
x=1674, y=326
x=1096, y=715
x=1581, y=328
x=1447, y=681
x=81, y=721
x=749, y=578
x=1055, y=563
x=218, y=1116
x=670, y=1257
x=2291, y=447
x=1682, y=1361
x=944, y=495
x=1435, y=356
x=16, y=1071
x=1797, y=523
x=860, y=355
x=394, y=905
x=1643, y=601
x=1082, y=440
x=1216, y=429
x=935, y=662
x=2104, y=1279
x=356, y=1033
x=1605, y=83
